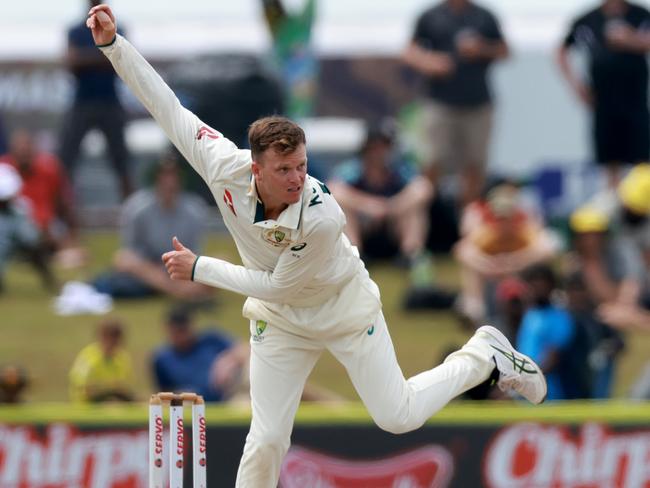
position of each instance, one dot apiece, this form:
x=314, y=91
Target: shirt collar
x=289, y=218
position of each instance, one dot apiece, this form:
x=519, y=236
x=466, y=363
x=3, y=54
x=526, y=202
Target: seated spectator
x=150, y=219
x=47, y=190
x=102, y=371
x=385, y=204
x=210, y=363
x=18, y=233
x=592, y=253
x=595, y=347
x=13, y=382
x=612, y=247
x=498, y=239
x=547, y=331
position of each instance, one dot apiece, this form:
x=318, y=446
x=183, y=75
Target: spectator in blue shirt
x=597, y=346
x=546, y=331
x=209, y=363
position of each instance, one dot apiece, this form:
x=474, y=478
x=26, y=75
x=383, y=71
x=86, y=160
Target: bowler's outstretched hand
x=179, y=262
x=101, y=22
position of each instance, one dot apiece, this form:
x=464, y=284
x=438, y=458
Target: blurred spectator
x=593, y=254
x=294, y=53
x=18, y=233
x=595, y=347
x=453, y=45
x=385, y=203
x=13, y=382
x=103, y=371
x=511, y=297
x=499, y=239
x=615, y=37
x=625, y=214
x=624, y=316
x=47, y=191
x=150, y=219
x=209, y=363
x=3, y=136
x=547, y=331
x=95, y=106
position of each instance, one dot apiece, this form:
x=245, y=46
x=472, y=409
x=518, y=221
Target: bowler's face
x=280, y=178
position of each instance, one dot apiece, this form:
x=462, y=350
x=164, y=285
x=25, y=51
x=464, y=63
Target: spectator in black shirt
x=95, y=105
x=453, y=45
x=616, y=38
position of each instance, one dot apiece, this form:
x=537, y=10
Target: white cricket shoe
x=516, y=371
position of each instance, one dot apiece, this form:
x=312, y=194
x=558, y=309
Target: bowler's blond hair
x=275, y=132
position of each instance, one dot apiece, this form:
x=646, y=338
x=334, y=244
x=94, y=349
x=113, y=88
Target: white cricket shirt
x=301, y=259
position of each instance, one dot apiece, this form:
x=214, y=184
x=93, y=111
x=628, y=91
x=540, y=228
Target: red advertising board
x=63, y=457
x=517, y=455
x=427, y=467
x=550, y=456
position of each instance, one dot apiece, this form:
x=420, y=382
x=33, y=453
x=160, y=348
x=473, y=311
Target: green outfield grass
x=45, y=344
x=352, y=413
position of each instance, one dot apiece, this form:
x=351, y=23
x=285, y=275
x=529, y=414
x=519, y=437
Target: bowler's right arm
x=208, y=151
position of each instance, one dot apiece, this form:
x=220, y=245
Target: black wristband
x=194, y=267
x=109, y=44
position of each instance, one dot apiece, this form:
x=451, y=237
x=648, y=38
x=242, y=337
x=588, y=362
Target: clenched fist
x=101, y=22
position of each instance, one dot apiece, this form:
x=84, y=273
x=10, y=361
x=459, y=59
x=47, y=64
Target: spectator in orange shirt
x=48, y=192
x=500, y=238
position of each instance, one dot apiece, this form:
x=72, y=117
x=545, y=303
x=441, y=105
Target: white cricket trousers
x=281, y=361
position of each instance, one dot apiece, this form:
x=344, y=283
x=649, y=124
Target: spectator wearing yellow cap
x=634, y=195
x=594, y=253
x=591, y=254
x=634, y=190
x=617, y=263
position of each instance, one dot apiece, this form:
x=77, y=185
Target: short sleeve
x=492, y=29
x=421, y=34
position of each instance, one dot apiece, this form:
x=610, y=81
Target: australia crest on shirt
x=277, y=237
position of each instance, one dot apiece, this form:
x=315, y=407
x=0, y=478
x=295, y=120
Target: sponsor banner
x=549, y=456
x=429, y=466
x=519, y=455
x=62, y=456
